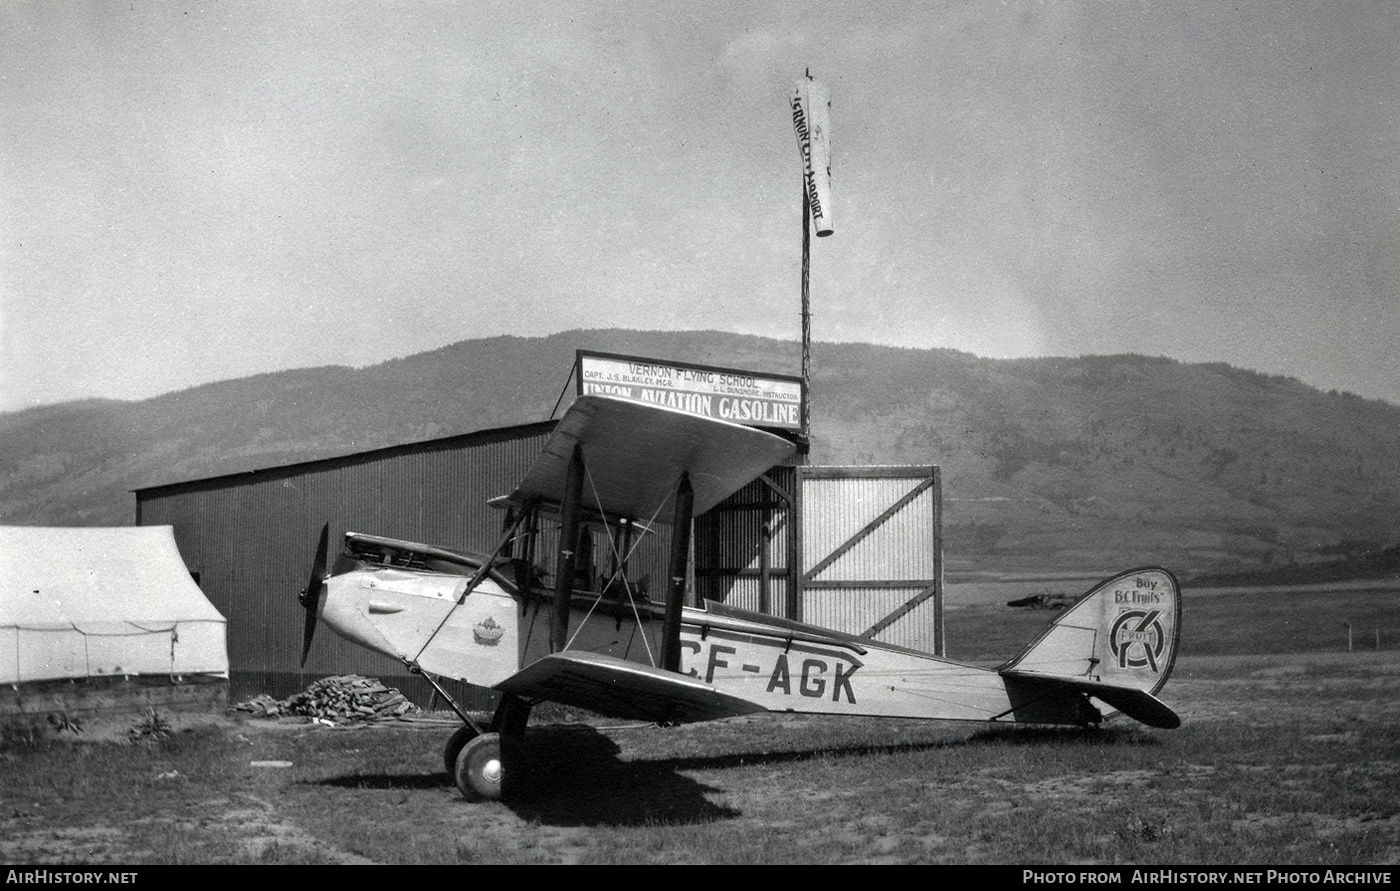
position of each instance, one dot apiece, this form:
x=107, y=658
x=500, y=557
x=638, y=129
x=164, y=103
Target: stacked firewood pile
x=340, y=700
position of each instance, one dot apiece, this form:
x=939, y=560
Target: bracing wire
x=562, y=391
x=621, y=561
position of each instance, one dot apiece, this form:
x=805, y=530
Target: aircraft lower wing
x=1136, y=704
x=625, y=690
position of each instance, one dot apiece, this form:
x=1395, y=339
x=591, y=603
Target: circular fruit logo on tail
x=1138, y=639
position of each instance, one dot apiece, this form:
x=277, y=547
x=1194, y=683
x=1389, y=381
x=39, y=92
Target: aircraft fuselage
x=413, y=616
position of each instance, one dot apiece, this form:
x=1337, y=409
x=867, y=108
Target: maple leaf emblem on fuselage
x=488, y=632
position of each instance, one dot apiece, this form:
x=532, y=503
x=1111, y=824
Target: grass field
x=1214, y=621
x=1289, y=753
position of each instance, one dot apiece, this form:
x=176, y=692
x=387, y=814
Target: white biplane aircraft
x=489, y=621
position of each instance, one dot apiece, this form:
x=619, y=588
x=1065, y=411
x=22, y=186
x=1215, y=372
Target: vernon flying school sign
x=755, y=400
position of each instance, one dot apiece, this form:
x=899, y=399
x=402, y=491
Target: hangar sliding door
x=745, y=554
x=865, y=557
x=871, y=554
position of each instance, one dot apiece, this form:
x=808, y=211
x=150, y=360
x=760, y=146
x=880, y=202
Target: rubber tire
x=478, y=770
x=460, y=737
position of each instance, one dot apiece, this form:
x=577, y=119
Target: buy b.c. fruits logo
x=1138, y=639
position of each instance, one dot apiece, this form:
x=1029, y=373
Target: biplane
x=500, y=621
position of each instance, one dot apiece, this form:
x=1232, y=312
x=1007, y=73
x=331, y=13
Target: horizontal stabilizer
x=1136, y=704
x=625, y=690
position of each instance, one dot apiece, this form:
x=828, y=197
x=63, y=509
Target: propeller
x=315, y=589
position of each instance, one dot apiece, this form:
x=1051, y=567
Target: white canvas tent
x=103, y=602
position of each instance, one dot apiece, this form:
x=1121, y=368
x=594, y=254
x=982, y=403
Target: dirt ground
x=770, y=788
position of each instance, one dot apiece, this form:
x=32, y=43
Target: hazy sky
x=194, y=192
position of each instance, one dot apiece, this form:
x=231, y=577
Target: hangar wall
x=249, y=540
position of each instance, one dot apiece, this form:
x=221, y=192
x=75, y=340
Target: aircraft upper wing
x=625, y=690
x=634, y=455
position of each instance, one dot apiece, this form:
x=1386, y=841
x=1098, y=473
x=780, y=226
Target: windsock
x=811, y=121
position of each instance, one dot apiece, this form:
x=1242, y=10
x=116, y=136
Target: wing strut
x=477, y=578
x=675, y=594
x=568, y=545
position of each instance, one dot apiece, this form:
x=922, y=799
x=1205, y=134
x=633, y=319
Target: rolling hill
x=1055, y=464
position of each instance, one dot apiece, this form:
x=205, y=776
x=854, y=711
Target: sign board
x=811, y=122
x=744, y=397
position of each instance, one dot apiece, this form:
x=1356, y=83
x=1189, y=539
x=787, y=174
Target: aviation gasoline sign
x=724, y=393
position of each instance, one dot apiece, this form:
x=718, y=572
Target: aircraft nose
x=344, y=609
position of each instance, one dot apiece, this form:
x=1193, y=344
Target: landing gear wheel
x=478, y=770
x=460, y=737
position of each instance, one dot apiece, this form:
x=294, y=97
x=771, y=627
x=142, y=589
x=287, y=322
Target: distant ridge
x=1056, y=464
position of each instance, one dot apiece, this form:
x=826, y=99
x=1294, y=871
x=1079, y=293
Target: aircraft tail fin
x=1122, y=634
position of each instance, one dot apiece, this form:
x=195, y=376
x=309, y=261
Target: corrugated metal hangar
x=248, y=538
x=851, y=549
